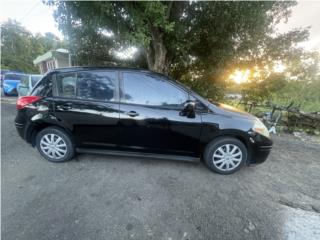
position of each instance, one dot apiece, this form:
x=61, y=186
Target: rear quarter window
x=35, y=79
x=43, y=88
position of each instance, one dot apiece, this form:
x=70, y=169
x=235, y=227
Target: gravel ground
x=100, y=197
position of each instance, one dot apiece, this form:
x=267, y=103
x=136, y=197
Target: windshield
x=13, y=76
x=35, y=79
x=4, y=71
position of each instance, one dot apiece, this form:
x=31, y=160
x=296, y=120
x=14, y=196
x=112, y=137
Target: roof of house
x=59, y=53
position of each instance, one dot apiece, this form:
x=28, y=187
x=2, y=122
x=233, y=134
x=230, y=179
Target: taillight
x=22, y=102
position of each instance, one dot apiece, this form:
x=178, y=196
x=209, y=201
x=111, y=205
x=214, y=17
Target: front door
x=87, y=103
x=150, y=116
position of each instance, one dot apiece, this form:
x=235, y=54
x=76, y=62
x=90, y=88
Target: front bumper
x=10, y=91
x=260, y=149
x=260, y=154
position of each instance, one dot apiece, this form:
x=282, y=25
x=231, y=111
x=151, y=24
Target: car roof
x=16, y=74
x=116, y=68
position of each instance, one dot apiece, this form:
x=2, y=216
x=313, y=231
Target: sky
x=32, y=14
x=37, y=17
x=304, y=14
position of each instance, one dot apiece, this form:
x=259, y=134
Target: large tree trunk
x=158, y=58
x=157, y=53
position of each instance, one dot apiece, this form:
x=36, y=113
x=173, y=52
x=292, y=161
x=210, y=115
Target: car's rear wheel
x=225, y=155
x=55, y=145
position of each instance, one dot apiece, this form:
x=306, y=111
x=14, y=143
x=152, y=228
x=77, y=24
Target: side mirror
x=189, y=109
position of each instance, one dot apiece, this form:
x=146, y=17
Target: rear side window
x=43, y=88
x=97, y=85
x=66, y=84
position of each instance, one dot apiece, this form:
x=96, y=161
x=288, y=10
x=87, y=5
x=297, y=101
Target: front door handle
x=132, y=114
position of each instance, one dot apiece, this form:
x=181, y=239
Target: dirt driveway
x=99, y=197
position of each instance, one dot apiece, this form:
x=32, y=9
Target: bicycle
x=271, y=119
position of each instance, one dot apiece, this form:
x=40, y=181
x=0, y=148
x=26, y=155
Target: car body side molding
x=137, y=154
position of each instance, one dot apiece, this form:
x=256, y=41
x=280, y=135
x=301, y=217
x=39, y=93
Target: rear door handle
x=66, y=106
x=132, y=114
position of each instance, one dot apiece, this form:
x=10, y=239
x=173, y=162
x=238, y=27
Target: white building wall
x=62, y=62
x=56, y=63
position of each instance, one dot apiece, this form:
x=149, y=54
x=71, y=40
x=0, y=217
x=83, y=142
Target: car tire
x=55, y=145
x=225, y=155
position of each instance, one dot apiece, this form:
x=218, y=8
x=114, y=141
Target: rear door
x=87, y=103
x=150, y=116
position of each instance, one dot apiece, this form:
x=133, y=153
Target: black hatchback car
x=133, y=112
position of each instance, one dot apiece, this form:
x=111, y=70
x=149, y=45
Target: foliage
x=197, y=42
x=19, y=47
x=261, y=91
x=299, y=83
x=304, y=94
x=303, y=85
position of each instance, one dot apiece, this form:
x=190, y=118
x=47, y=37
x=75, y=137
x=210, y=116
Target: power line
x=33, y=7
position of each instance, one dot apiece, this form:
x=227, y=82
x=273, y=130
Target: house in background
x=53, y=59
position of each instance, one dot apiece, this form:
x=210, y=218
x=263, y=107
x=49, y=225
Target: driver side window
x=145, y=89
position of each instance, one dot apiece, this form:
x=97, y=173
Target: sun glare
x=240, y=76
x=279, y=67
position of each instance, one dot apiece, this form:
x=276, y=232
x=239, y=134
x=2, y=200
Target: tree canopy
x=20, y=47
x=200, y=43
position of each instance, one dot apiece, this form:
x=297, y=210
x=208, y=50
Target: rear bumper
x=20, y=129
x=24, y=130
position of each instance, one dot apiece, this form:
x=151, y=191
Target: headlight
x=260, y=128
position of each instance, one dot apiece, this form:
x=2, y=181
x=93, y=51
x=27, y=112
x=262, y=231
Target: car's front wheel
x=55, y=145
x=225, y=155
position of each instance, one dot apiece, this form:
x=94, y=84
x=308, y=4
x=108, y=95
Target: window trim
x=122, y=100
x=116, y=91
